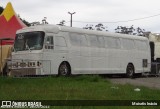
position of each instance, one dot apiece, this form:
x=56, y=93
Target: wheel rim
x=63, y=69
x=130, y=71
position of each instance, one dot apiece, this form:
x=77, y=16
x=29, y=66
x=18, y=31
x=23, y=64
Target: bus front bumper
x=22, y=72
x=20, y=68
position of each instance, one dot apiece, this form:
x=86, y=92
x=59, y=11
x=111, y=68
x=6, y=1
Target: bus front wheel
x=130, y=71
x=64, y=69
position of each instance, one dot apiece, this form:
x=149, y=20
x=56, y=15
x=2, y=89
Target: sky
x=93, y=12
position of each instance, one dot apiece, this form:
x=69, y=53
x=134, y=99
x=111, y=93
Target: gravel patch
x=151, y=82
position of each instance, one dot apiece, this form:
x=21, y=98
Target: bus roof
x=56, y=29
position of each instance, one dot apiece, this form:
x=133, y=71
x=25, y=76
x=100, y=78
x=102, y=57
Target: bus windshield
x=29, y=41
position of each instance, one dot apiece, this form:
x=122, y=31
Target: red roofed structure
x=9, y=24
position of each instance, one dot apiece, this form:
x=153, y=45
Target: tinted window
x=60, y=41
x=128, y=44
x=83, y=40
x=111, y=42
x=78, y=39
x=101, y=41
x=93, y=41
x=49, y=42
x=141, y=45
x=75, y=39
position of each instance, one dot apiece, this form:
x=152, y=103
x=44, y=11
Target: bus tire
x=130, y=71
x=64, y=69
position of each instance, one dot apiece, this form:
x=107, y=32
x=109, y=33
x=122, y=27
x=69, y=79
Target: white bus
x=61, y=50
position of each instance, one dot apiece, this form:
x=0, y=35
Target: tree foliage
x=44, y=20
x=1, y=9
x=98, y=27
x=24, y=21
x=125, y=30
x=89, y=27
x=62, y=23
x=140, y=31
x=130, y=30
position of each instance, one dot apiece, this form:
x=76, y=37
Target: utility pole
x=71, y=16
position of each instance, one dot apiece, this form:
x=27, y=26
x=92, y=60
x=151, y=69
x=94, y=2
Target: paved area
x=151, y=82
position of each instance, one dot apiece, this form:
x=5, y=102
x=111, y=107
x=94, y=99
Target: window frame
x=49, y=45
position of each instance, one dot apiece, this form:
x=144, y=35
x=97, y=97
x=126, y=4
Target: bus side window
x=83, y=40
x=75, y=39
x=49, y=42
x=101, y=41
x=78, y=39
x=93, y=41
x=60, y=41
x=141, y=45
x=111, y=42
x=128, y=44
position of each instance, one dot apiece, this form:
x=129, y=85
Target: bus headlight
x=34, y=64
x=31, y=64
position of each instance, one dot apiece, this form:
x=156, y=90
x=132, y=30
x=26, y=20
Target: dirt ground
x=151, y=82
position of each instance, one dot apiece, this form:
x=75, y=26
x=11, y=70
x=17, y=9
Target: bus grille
x=23, y=72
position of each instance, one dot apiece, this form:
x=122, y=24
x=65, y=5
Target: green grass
x=73, y=88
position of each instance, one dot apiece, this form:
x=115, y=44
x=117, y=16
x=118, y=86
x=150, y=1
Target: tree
x=24, y=21
x=130, y=30
x=1, y=9
x=125, y=30
x=62, y=23
x=35, y=23
x=44, y=20
x=89, y=27
x=140, y=32
x=98, y=27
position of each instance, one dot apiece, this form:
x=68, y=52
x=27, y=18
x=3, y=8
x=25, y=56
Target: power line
x=121, y=20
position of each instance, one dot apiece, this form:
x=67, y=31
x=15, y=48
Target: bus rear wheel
x=130, y=71
x=64, y=69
